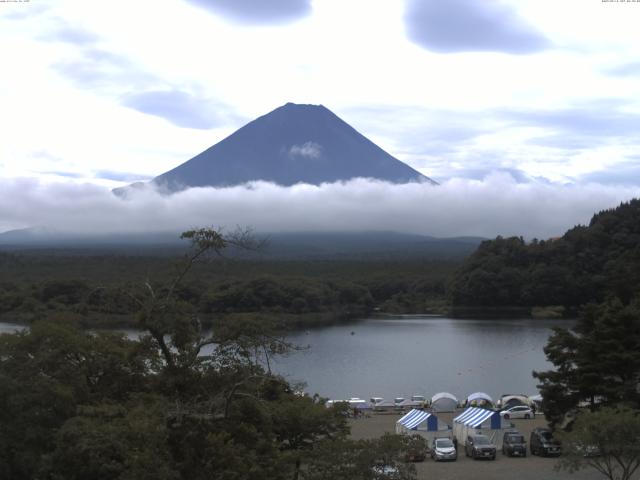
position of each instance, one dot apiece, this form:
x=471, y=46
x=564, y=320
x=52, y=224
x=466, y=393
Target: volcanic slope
x=292, y=144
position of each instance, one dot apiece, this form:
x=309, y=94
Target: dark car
x=543, y=443
x=415, y=455
x=514, y=444
x=479, y=446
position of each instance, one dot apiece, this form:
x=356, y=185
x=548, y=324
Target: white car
x=520, y=411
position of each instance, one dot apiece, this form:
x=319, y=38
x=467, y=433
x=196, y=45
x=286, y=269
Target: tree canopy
x=597, y=362
x=178, y=401
x=607, y=440
x=586, y=264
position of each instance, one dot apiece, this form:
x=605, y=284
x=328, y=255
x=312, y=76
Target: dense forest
x=586, y=264
x=76, y=404
x=96, y=288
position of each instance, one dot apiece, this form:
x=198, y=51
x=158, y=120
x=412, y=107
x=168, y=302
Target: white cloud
x=306, y=150
x=72, y=62
x=496, y=205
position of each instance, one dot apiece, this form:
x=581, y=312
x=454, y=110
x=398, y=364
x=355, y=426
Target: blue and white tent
x=422, y=423
x=480, y=420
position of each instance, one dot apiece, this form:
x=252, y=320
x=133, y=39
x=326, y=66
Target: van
x=543, y=443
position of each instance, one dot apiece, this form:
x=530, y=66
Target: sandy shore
x=529, y=468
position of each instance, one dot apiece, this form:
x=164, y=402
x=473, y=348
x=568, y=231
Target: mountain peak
x=295, y=143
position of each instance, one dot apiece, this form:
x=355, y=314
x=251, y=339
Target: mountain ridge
x=295, y=143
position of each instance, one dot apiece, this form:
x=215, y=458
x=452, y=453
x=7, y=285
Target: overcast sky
x=536, y=96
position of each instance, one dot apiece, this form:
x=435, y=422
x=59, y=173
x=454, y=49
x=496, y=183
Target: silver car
x=443, y=449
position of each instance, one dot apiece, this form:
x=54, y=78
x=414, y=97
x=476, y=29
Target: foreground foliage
x=179, y=402
x=607, y=440
x=597, y=362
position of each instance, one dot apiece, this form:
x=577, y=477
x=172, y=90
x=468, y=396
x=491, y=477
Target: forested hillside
x=96, y=288
x=585, y=265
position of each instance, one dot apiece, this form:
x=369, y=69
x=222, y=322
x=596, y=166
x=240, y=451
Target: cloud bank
x=497, y=205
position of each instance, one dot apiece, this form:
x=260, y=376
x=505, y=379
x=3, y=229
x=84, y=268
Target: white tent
x=444, y=402
x=479, y=399
x=425, y=424
x=480, y=420
x=511, y=400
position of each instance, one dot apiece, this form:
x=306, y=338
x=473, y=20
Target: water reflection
x=400, y=357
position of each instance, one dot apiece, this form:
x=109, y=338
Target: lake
x=402, y=356
x=391, y=357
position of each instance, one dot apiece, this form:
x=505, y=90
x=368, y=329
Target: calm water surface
x=420, y=355
x=415, y=355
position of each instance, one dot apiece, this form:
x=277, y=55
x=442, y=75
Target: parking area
x=528, y=468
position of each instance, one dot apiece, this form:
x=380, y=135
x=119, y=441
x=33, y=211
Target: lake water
x=421, y=355
x=391, y=357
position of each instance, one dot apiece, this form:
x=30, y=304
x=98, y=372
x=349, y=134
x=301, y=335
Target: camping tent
x=479, y=399
x=508, y=401
x=422, y=423
x=480, y=420
x=444, y=402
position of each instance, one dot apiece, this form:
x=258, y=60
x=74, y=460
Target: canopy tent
x=422, y=423
x=407, y=404
x=479, y=399
x=536, y=400
x=508, y=401
x=480, y=420
x=444, y=402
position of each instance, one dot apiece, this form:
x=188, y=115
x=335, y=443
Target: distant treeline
x=585, y=265
x=97, y=288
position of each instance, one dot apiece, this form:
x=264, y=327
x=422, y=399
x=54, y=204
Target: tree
x=597, y=361
x=607, y=440
x=115, y=442
x=301, y=421
x=47, y=373
x=177, y=402
x=373, y=459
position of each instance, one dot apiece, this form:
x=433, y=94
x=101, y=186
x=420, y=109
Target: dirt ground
x=529, y=468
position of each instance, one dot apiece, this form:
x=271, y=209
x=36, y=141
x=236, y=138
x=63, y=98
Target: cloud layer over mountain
x=497, y=205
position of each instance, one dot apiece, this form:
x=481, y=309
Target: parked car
x=443, y=449
x=543, y=443
x=418, y=453
x=519, y=411
x=479, y=446
x=514, y=444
